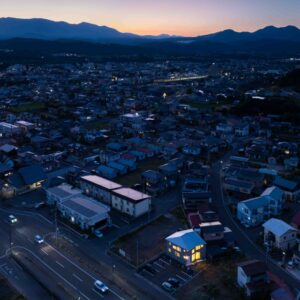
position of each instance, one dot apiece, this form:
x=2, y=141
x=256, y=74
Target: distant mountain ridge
x=41, y=36
x=52, y=30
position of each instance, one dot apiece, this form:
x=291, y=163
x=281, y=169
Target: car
x=39, y=239
x=98, y=233
x=100, y=286
x=149, y=269
x=168, y=287
x=174, y=282
x=290, y=265
x=237, y=249
x=12, y=219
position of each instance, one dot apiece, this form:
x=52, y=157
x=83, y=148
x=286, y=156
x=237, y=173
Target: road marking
x=81, y=269
x=144, y=270
x=44, y=252
x=186, y=274
x=181, y=278
x=163, y=261
x=30, y=241
x=98, y=293
x=60, y=264
x=78, y=278
x=157, y=264
x=116, y=225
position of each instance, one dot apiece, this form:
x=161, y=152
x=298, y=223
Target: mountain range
x=50, y=37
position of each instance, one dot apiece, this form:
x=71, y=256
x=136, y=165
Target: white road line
x=98, y=293
x=30, y=241
x=3, y=265
x=78, y=278
x=163, y=261
x=117, y=226
x=44, y=252
x=157, y=264
x=82, y=270
x=60, y=264
x=186, y=274
x=183, y=279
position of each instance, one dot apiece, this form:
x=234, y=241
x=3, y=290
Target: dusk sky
x=181, y=17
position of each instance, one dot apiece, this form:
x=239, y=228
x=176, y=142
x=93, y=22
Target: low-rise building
x=279, y=234
x=186, y=246
x=98, y=187
x=254, y=211
x=61, y=193
x=85, y=212
x=252, y=277
x=130, y=202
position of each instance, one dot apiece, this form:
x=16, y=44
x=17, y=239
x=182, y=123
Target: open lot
x=148, y=241
x=213, y=281
x=135, y=177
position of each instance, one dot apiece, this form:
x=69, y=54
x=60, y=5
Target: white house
x=130, y=202
x=98, y=187
x=255, y=211
x=186, y=246
x=279, y=234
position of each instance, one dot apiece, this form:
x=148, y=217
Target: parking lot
x=163, y=268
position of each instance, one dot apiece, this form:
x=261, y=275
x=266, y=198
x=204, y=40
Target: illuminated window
x=169, y=249
x=198, y=248
x=177, y=248
x=177, y=254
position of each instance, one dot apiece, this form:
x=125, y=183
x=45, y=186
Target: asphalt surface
x=64, y=269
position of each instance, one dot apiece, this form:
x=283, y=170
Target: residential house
x=279, y=234
x=154, y=182
x=107, y=172
x=255, y=211
x=27, y=179
x=212, y=231
x=291, y=188
x=252, y=277
x=186, y=246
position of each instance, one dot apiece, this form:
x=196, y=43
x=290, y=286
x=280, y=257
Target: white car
x=39, y=239
x=98, y=233
x=12, y=219
x=168, y=287
x=100, y=286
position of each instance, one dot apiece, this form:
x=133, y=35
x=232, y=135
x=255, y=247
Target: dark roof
x=32, y=174
x=253, y=267
x=27, y=176
x=285, y=184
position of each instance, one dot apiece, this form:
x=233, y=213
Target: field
x=149, y=241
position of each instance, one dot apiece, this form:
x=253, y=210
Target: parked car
x=174, y=282
x=39, y=239
x=290, y=265
x=12, y=219
x=100, y=286
x=168, y=287
x=98, y=233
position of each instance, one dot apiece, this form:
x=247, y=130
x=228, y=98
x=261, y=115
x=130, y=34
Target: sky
x=179, y=17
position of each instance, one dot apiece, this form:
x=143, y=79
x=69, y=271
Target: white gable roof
x=277, y=227
x=186, y=239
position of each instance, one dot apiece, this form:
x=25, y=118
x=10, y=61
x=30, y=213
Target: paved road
x=245, y=242
x=64, y=269
x=93, y=251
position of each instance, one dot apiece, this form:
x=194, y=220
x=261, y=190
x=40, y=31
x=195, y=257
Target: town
x=151, y=180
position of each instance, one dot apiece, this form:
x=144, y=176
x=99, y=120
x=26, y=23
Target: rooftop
x=131, y=194
x=101, y=182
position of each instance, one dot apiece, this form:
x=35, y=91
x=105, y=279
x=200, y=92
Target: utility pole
x=137, y=253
